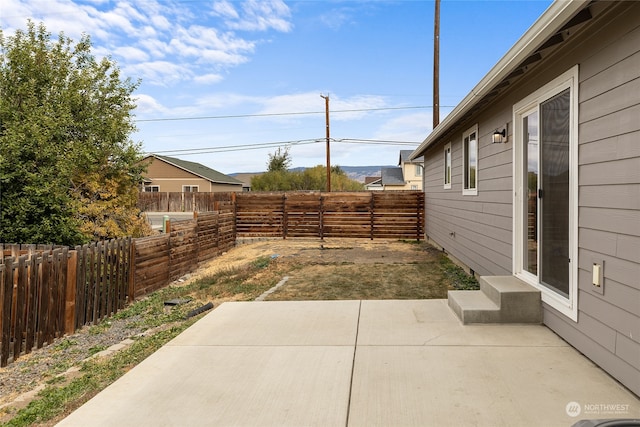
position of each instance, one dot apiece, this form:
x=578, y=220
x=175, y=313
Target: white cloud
x=160, y=22
x=148, y=104
x=225, y=9
x=208, y=78
x=160, y=73
x=412, y=127
x=162, y=42
x=262, y=15
x=131, y=53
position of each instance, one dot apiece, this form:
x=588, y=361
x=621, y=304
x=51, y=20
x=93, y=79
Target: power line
x=376, y=141
x=263, y=145
x=239, y=116
x=228, y=148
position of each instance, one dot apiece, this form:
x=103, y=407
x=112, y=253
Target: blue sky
x=230, y=81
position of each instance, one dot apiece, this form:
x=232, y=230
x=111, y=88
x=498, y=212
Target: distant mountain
x=357, y=173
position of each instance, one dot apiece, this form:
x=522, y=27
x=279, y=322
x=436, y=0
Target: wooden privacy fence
x=45, y=293
x=183, y=202
x=375, y=214
x=164, y=258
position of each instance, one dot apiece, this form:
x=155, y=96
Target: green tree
x=311, y=179
x=279, y=161
x=68, y=170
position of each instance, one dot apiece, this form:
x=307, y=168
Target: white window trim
x=569, y=79
x=144, y=188
x=447, y=147
x=470, y=191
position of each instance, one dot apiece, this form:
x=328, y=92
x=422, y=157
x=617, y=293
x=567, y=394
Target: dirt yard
x=343, y=268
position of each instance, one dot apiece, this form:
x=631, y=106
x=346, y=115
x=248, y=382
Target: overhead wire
x=259, y=146
x=293, y=113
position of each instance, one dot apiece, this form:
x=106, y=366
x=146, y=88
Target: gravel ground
x=39, y=366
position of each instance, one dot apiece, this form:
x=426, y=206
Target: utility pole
x=436, y=66
x=326, y=109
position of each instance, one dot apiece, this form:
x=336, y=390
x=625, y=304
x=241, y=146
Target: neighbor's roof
x=371, y=179
x=198, y=169
x=392, y=176
x=547, y=32
x=405, y=157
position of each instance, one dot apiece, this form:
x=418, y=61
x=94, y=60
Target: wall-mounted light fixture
x=499, y=136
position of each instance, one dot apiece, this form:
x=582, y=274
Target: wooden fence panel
x=151, y=257
x=260, y=214
x=391, y=215
x=208, y=236
x=302, y=215
x=183, y=244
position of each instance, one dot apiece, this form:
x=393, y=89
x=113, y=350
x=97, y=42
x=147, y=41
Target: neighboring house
x=411, y=170
x=556, y=204
x=392, y=179
x=175, y=175
x=407, y=176
x=373, y=183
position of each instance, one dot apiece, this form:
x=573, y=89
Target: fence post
x=70, y=298
x=132, y=270
x=6, y=293
x=372, y=209
x=285, y=216
x=321, y=218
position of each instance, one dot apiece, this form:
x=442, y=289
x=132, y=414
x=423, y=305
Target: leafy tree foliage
x=310, y=179
x=279, y=161
x=68, y=170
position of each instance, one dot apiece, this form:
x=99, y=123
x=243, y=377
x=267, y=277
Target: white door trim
x=569, y=79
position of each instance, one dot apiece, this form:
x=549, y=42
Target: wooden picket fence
x=46, y=293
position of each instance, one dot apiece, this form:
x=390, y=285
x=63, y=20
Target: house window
x=414, y=187
x=189, y=188
x=418, y=170
x=470, y=162
x=447, y=166
x=151, y=188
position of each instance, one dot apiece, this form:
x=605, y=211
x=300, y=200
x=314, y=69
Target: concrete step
x=474, y=307
x=501, y=299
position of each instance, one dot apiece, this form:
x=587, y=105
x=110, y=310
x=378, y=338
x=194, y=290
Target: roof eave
x=556, y=15
x=164, y=159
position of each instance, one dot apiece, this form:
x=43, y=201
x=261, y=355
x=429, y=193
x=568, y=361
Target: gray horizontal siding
x=481, y=224
x=608, y=328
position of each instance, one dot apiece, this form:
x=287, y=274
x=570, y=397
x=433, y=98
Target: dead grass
x=333, y=270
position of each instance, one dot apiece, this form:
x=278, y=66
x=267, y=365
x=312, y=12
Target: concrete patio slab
x=222, y=386
x=276, y=323
x=356, y=363
x=475, y=386
x=405, y=323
